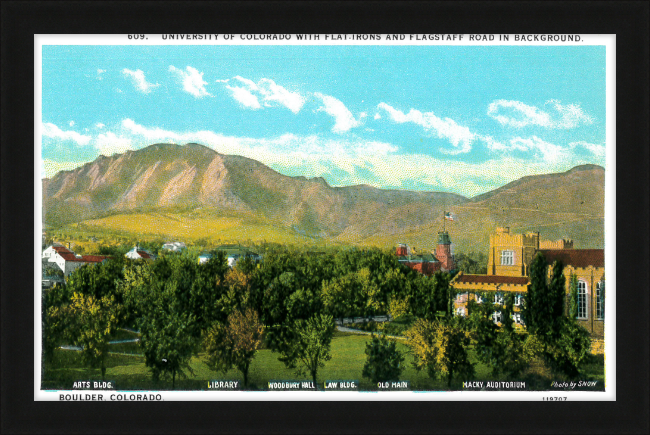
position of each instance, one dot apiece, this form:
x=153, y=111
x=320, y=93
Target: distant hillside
x=192, y=191
x=564, y=205
x=166, y=177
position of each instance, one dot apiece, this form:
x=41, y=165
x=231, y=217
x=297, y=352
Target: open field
x=469, y=233
x=348, y=357
x=191, y=227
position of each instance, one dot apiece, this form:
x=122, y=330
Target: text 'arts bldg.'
x=508, y=262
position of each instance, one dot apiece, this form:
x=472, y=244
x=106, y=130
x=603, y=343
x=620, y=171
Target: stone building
x=428, y=263
x=509, y=258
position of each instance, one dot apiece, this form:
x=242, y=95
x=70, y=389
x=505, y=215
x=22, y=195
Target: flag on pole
x=449, y=216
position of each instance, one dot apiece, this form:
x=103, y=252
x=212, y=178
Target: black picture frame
x=21, y=20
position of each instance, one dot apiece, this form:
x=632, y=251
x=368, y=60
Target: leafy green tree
x=393, y=286
x=235, y=343
x=483, y=329
x=167, y=339
x=55, y=317
x=164, y=314
x=557, y=290
x=502, y=349
x=569, y=351
x=471, y=262
x=398, y=308
x=441, y=290
x=94, y=322
x=545, y=300
x=573, y=297
x=311, y=347
x=98, y=280
x=338, y=296
x=565, y=343
x=538, y=306
x=383, y=362
x=440, y=348
x=421, y=294
x=369, y=300
x=57, y=328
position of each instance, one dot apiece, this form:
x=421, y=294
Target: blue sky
x=462, y=119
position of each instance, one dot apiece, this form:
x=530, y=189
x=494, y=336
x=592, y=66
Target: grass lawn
x=348, y=358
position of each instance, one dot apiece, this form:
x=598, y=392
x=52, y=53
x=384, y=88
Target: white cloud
x=52, y=131
x=549, y=152
x=571, y=115
x=109, y=144
x=287, y=146
x=493, y=144
x=49, y=167
x=377, y=115
x=222, y=81
x=344, y=120
x=596, y=150
x=345, y=161
x=139, y=81
x=192, y=80
x=71, y=123
x=100, y=125
x=99, y=73
x=517, y=114
x=354, y=161
x=274, y=93
x=267, y=91
x=459, y=136
x=245, y=97
x=464, y=178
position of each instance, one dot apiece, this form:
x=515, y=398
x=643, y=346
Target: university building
x=509, y=258
x=429, y=263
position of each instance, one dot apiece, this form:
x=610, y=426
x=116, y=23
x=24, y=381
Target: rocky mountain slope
x=190, y=179
x=172, y=177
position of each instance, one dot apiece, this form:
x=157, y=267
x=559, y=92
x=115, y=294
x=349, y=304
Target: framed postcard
x=410, y=218
x=326, y=216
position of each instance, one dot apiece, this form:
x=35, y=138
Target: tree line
x=182, y=308
x=289, y=303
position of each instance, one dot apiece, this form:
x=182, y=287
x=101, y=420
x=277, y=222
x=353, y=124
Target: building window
x=496, y=317
x=599, y=301
x=582, y=300
x=460, y=312
x=498, y=298
x=479, y=299
x=519, y=300
x=518, y=318
x=507, y=258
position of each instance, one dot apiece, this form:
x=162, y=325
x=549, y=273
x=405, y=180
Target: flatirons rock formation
x=164, y=176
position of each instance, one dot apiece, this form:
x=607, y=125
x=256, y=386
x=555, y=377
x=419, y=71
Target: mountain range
x=176, y=181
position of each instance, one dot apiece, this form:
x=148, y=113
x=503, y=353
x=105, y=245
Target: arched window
x=496, y=317
x=582, y=300
x=599, y=301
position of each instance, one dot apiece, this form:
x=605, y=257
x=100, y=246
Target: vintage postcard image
x=325, y=217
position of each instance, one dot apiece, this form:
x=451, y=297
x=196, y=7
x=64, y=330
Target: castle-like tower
x=443, y=252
